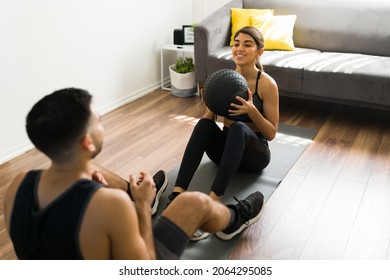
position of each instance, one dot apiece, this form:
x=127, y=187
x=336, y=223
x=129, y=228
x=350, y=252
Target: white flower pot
x=182, y=85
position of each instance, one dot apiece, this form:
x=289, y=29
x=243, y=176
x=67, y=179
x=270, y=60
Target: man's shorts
x=169, y=240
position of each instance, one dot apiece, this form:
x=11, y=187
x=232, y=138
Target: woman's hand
x=244, y=108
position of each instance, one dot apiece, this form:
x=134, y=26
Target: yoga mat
x=286, y=148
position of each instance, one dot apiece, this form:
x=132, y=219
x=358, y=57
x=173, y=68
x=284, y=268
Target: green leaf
x=184, y=65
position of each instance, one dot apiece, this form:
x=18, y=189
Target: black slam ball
x=220, y=90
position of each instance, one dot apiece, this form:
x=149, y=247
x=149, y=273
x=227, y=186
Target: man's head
x=62, y=122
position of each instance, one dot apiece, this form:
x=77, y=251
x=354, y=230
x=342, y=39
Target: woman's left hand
x=244, y=107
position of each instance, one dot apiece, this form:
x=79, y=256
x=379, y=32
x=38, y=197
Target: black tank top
x=256, y=98
x=52, y=233
x=256, y=101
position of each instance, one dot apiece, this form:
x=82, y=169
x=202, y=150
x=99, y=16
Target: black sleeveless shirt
x=256, y=101
x=51, y=233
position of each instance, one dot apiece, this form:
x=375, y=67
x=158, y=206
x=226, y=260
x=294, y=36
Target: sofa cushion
x=286, y=67
x=348, y=76
x=242, y=18
x=277, y=31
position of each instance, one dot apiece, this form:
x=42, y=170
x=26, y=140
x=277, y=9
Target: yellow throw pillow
x=277, y=31
x=242, y=18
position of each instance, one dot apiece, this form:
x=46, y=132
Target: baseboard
x=15, y=152
x=123, y=101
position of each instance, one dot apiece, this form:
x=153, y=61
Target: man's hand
x=98, y=177
x=143, y=191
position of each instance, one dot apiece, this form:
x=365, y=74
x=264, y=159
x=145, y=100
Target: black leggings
x=232, y=149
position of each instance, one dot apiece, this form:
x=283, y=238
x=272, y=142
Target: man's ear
x=87, y=143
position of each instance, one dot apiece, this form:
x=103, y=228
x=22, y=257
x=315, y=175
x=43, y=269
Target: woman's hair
x=57, y=121
x=257, y=37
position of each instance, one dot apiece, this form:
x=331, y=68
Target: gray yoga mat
x=286, y=148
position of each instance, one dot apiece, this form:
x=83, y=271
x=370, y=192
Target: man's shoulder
x=112, y=193
x=109, y=206
x=109, y=197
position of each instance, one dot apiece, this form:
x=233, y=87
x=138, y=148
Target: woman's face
x=244, y=50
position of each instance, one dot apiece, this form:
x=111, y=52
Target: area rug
x=286, y=148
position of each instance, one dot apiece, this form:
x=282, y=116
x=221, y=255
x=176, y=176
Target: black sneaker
x=171, y=197
x=248, y=211
x=161, y=181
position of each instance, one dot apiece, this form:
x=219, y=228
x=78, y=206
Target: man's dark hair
x=57, y=121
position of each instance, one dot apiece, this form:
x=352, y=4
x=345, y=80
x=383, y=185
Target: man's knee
x=193, y=202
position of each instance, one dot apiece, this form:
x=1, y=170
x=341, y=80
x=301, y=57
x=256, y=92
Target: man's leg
x=113, y=180
x=195, y=210
x=187, y=213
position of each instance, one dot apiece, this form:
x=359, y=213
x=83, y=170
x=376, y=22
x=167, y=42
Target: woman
x=238, y=146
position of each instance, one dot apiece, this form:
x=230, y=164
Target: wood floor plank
x=290, y=234
x=330, y=234
x=370, y=237
x=329, y=148
x=360, y=161
x=6, y=248
x=253, y=238
x=136, y=139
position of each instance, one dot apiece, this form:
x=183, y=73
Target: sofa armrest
x=211, y=34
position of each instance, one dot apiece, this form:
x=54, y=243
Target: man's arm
x=108, y=178
x=143, y=193
x=132, y=235
x=111, y=228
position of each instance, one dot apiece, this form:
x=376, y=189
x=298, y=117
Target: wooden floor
x=333, y=204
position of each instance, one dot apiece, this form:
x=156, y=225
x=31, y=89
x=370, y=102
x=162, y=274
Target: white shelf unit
x=169, y=53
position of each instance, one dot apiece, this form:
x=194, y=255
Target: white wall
x=203, y=8
x=109, y=47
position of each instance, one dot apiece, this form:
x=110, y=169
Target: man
x=65, y=212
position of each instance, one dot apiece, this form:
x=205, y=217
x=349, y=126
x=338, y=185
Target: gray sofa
x=342, y=49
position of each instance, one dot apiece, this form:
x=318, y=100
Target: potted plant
x=182, y=74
